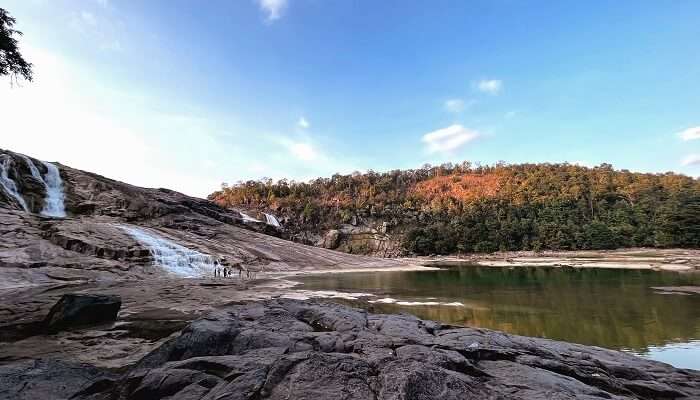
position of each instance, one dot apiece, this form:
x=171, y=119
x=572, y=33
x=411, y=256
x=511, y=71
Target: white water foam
x=247, y=217
x=172, y=257
x=53, y=203
x=8, y=184
x=271, y=220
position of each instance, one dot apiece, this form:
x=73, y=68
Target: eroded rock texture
x=286, y=349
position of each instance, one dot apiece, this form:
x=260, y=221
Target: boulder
x=75, y=309
x=331, y=240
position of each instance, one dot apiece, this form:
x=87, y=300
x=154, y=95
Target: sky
x=187, y=95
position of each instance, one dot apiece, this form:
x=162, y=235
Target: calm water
x=610, y=308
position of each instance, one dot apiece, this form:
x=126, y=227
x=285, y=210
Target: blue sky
x=187, y=95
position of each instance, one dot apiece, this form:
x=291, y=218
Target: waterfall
x=247, y=218
x=171, y=256
x=271, y=220
x=34, y=170
x=53, y=203
x=8, y=184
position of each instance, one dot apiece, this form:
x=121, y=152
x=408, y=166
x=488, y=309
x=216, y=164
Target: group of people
x=223, y=270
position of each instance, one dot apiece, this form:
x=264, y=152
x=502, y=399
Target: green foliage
x=11, y=61
x=450, y=209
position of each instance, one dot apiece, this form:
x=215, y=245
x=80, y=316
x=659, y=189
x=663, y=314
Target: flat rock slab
x=289, y=349
x=78, y=309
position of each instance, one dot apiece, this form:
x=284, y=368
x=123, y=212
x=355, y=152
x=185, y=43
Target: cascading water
x=271, y=220
x=171, y=256
x=53, y=203
x=8, y=184
x=247, y=217
x=33, y=169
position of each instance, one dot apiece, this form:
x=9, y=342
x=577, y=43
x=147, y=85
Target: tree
x=11, y=61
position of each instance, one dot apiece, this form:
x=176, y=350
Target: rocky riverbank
x=287, y=349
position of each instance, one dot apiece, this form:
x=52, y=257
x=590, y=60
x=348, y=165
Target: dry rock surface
x=288, y=349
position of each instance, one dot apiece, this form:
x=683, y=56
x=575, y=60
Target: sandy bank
x=680, y=260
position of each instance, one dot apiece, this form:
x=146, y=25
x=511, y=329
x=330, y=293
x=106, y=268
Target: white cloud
x=690, y=133
x=273, y=8
x=103, y=3
x=693, y=159
x=303, y=151
x=103, y=32
x=300, y=148
x=449, y=139
x=457, y=105
x=511, y=114
x=88, y=18
x=490, y=86
x=303, y=123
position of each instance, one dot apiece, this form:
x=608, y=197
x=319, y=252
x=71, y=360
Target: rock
x=74, y=310
x=45, y=379
x=331, y=239
x=288, y=349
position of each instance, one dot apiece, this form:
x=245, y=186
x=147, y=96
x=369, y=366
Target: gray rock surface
x=287, y=349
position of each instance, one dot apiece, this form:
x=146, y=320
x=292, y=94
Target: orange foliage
x=461, y=187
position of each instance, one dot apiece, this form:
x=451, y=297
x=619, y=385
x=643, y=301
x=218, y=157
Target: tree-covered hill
x=464, y=208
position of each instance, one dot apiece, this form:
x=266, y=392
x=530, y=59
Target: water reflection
x=603, y=307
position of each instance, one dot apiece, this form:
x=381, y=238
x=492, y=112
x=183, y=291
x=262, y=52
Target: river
x=612, y=308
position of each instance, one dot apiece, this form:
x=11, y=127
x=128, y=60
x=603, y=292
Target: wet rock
x=74, y=310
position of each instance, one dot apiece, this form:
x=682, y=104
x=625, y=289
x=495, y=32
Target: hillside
x=464, y=208
x=100, y=230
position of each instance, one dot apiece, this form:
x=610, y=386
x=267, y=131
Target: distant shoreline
x=679, y=260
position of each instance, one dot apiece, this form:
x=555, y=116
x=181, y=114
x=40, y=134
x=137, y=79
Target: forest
x=468, y=208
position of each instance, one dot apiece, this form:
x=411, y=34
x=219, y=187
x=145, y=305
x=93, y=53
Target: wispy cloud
x=457, y=105
x=693, y=159
x=448, y=139
x=300, y=148
x=303, y=123
x=103, y=3
x=690, y=133
x=490, y=86
x=303, y=151
x=98, y=29
x=511, y=114
x=273, y=8
x=88, y=18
